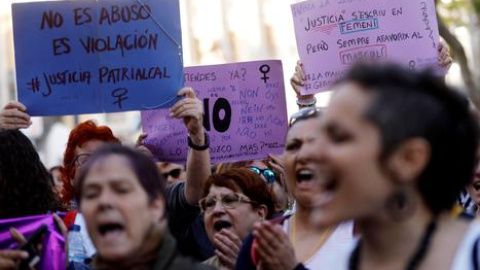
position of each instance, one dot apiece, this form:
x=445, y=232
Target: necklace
x=323, y=238
x=416, y=258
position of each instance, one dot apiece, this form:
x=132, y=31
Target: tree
x=450, y=15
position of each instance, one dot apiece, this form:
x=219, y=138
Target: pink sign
x=334, y=34
x=245, y=113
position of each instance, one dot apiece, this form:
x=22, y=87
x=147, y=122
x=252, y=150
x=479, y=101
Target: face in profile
x=116, y=207
x=226, y=209
x=301, y=160
x=353, y=183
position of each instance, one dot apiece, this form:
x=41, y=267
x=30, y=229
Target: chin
x=114, y=253
x=322, y=218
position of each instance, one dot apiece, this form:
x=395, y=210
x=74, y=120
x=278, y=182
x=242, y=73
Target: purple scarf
x=53, y=254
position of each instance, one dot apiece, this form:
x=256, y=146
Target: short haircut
x=244, y=181
x=407, y=104
x=144, y=168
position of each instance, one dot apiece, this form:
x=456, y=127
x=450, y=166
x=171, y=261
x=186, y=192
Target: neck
x=385, y=241
x=302, y=219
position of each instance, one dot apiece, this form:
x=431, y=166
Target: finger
x=13, y=254
x=225, y=259
x=226, y=245
x=140, y=139
x=15, y=105
x=232, y=236
x=188, y=92
x=61, y=225
x=15, y=114
x=298, y=79
x=187, y=110
x=18, y=236
x=301, y=73
x=183, y=102
x=14, y=121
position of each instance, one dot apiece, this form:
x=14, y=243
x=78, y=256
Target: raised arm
x=190, y=109
x=297, y=82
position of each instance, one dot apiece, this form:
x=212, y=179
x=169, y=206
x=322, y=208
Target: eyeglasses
x=229, y=201
x=268, y=174
x=304, y=114
x=80, y=160
x=175, y=173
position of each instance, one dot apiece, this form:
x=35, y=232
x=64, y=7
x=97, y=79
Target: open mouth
x=221, y=224
x=304, y=175
x=476, y=186
x=109, y=229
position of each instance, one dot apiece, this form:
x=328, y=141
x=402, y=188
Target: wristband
x=307, y=103
x=200, y=147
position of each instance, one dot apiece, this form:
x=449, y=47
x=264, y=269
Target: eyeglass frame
x=304, y=114
x=76, y=163
x=268, y=178
x=241, y=198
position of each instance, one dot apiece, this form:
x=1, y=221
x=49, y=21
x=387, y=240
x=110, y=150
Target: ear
x=409, y=160
x=262, y=211
x=157, y=207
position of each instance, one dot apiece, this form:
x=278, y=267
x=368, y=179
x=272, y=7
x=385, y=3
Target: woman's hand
x=297, y=81
x=227, y=246
x=190, y=109
x=14, y=116
x=275, y=252
x=444, y=58
x=10, y=259
x=139, y=146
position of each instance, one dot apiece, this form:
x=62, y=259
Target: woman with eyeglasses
x=233, y=201
x=273, y=175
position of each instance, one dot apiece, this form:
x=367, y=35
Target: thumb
x=18, y=236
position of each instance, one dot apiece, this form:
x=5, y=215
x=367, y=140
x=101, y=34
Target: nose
x=218, y=209
x=105, y=200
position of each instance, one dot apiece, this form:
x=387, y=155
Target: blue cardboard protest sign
x=76, y=57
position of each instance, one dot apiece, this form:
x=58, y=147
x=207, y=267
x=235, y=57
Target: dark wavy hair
x=81, y=134
x=25, y=184
x=245, y=181
x=406, y=104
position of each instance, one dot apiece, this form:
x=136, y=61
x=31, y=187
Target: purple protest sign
x=332, y=35
x=53, y=253
x=245, y=108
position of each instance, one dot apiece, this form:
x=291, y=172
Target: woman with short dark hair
x=399, y=147
x=122, y=197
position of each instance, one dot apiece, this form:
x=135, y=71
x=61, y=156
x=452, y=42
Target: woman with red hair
x=82, y=142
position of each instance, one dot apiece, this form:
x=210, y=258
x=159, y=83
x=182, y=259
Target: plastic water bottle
x=76, y=251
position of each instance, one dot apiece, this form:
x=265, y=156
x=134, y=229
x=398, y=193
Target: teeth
x=304, y=175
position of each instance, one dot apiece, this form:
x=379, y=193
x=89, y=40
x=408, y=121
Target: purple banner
x=244, y=108
x=53, y=253
x=332, y=35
